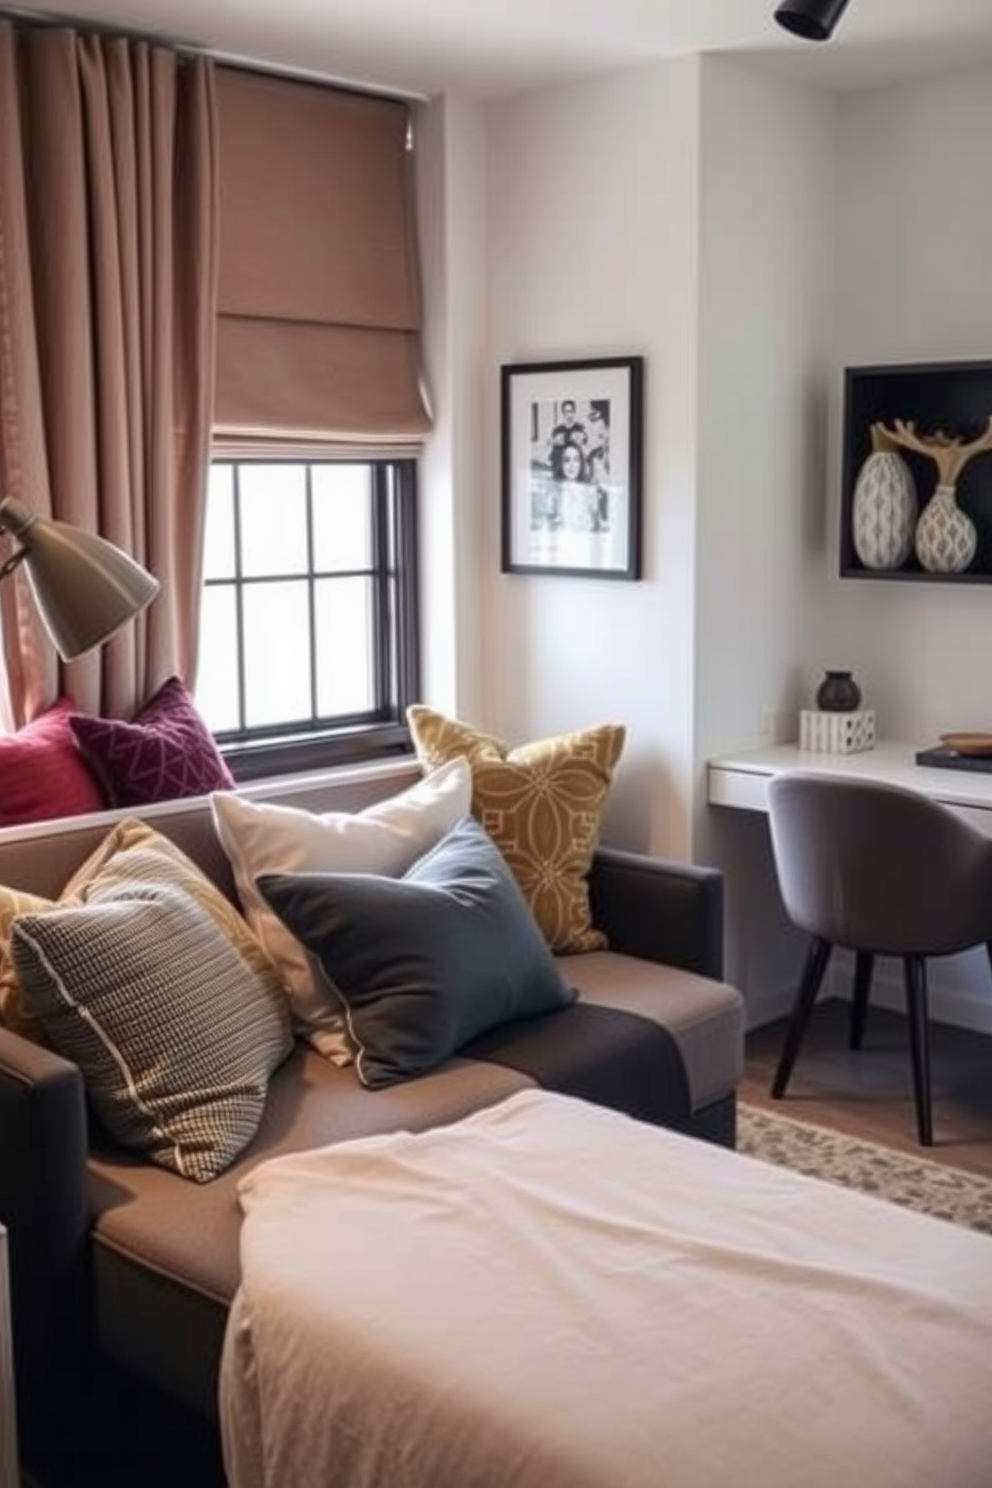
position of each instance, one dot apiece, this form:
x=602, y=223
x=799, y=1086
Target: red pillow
x=165, y=752
x=42, y=773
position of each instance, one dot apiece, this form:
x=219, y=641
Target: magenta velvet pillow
x=42, y=773
x=166, y=751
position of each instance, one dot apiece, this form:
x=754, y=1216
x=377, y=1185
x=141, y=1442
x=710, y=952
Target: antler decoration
x=949, y=455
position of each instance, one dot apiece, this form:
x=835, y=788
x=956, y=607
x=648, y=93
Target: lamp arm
x=14, y=561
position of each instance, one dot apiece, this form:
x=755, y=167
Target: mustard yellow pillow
x=15, y=1012
x=131, y=851
x=542, y=803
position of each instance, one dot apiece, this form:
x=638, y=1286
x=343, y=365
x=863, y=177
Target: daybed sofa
x=115, y=1259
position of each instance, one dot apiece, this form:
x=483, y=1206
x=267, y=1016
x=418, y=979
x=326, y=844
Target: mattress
x=549, y=1294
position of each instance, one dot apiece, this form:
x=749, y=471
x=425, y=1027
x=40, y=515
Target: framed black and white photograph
x=571, y=467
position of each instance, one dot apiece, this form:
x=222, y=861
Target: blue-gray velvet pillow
x=426, y=962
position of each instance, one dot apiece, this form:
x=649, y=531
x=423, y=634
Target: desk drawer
x=747, y=790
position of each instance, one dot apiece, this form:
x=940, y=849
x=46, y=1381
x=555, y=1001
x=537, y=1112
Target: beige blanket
x=551, y=1295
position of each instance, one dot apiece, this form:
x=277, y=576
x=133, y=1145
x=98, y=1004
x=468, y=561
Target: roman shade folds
x=319, y=317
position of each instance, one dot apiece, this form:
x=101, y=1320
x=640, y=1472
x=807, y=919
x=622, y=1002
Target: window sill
x=282, y=757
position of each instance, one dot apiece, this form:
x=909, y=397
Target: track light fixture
x=813, y=20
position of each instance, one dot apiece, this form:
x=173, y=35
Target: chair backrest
x=878, y=868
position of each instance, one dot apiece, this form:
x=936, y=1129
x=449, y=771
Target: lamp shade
x=85, y=588
x=813, y=20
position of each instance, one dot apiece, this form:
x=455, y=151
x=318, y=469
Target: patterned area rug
x=947, y=1193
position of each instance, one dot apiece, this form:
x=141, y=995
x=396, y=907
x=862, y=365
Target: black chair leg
x=817, y=957
x=915, y=970
x=864, y=965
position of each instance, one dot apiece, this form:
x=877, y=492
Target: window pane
x=295, y=570
x=273, y=520
x=217, y=669
x=218, y=545
x=277, y=654
x=342, y=517
x=345, y=660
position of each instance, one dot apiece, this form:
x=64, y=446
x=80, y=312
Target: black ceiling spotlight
x=813, y=20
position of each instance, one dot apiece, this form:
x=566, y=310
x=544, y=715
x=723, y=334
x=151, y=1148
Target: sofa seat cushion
x=166, y=1252
x=704, y=1017
x=144, y=1263
x=150, y=1214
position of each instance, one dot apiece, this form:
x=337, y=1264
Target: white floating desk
x=741, y=780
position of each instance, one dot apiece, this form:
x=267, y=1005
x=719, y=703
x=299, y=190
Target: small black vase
x=838, y=693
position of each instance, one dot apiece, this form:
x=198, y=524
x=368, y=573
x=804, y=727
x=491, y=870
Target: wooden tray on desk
x=968, y=743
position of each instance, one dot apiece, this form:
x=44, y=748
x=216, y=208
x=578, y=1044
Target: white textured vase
x=945, y=535
x=883, y=511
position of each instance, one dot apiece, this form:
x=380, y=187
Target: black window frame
x=381, y=732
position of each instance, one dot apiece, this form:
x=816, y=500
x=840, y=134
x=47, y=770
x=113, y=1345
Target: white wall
x=749, y=238
x=906, y=239
x=767, y=294
x=766, y=271
x=451, y=203
x=914, y=249
x=593, y=252
x=624, y=217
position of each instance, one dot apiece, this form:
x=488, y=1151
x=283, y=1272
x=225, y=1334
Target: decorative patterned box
x=837, y=733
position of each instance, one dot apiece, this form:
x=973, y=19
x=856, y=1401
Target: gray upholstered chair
x=881, y=871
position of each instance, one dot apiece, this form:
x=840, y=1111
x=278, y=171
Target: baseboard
x=961, y=1007
x=767, y=1005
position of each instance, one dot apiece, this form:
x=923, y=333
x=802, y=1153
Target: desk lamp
x=85, y=587
x=813, y=20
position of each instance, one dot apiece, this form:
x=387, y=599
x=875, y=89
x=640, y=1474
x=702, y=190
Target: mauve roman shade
x=319, y=309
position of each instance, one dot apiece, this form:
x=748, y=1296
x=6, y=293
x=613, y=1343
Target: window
x=308, y=627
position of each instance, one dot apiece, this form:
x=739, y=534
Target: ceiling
x=485, y=49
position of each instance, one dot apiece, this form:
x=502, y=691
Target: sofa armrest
x=43, y=1200
x=659, y=910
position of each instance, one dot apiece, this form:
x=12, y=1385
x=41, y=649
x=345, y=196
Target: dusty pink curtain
x=108, y=298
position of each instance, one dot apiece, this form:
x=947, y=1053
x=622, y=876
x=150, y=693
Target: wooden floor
x=868, y=1093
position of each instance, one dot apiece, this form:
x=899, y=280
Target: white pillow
x=386, y=838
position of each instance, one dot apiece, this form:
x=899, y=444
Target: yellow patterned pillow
x=542, y=803
x=132, y=851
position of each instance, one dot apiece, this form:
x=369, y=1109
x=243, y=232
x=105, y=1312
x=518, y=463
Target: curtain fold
x=108, y=303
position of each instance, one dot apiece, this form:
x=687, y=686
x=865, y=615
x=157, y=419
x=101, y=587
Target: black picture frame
x=562, y=514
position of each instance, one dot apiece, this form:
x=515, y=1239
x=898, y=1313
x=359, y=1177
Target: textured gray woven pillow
x=174, y=1033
